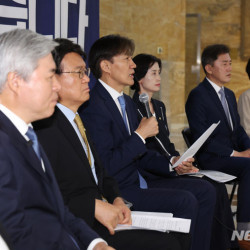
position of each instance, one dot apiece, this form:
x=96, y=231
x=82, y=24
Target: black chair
x=187, y=136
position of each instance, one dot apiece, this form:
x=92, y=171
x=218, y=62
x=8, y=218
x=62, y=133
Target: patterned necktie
x=224, y=104
x=81, y=128
x=143, y=183
x=32, y=136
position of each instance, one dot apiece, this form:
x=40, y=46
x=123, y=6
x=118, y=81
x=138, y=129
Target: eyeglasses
x=81, y=72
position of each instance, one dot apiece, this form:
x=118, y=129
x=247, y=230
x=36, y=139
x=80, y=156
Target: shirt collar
x=215, y=86
x=114, y=94
x=67, y=112
x=20, y=124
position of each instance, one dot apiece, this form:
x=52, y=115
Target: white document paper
x=214, y=175
x=196, y=145
x=156, y=221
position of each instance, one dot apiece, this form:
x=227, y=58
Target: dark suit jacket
x=122, y=154
x=72, y=169
x=203, y=108
x=32, y=209
x=163, y=135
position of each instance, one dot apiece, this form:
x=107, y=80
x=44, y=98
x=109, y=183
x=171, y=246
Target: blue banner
x=77, y=20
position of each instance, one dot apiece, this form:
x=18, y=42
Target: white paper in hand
x=196, y=145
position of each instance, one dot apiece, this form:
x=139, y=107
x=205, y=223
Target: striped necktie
x=82, y=129
x=224, y=104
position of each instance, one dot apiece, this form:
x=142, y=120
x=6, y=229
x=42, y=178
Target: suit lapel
x=131, y=114
x=112, y=108
x=231, y=110
x=23, y=146
x=70, y=134
x=32, y=162
x=53, y=186
x=216, y=100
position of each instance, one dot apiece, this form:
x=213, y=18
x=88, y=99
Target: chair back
x=187, y=136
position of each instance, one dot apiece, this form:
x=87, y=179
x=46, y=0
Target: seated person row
x=32, y=210
x=148, y=80
x=244, y=105
x=144, y=176
x=82, y=179
x=228, y=148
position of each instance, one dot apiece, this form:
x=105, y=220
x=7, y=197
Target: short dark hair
x=143, y=63
x=248, y=68
x=65, y=46
x=105, y=48
x=211, y=53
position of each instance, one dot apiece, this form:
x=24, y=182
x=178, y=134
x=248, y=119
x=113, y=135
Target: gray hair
x=20, y=51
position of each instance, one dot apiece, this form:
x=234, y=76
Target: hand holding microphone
x=143, y=98
x=148, y=127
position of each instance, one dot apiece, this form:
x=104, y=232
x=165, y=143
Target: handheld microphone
x=143, y=98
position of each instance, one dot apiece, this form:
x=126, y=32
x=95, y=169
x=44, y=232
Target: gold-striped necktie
x=81, y=128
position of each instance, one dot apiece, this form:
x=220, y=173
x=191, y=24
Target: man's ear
x=105, y=66
x=13, y=81
x=208, y=68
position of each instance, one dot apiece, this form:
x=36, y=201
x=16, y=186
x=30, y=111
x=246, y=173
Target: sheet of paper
x=156, y=221
x=197, y=144
x=215, y=175
x=153, y=214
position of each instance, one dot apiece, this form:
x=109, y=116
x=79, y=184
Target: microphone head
x=143, y=98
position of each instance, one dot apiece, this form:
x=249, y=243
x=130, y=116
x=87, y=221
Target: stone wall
x=163, y=23
x=222, y=22
x=152, y=24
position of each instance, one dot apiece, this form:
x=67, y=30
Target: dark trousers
x=5, y=237
x=185, y=198
x=145, y=239
x=240, y=167
x=223, y=224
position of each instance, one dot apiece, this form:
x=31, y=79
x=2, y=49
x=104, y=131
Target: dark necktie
x=32, y=136
x=143, y=183
x=224, y=104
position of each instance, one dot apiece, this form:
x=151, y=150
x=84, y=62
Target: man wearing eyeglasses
x=88, y=192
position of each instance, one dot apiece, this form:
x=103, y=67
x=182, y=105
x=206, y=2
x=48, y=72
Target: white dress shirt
x=20, y=125
x=217, y=89
x=70, y=115
x=115, y=94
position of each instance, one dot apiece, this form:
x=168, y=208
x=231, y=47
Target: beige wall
x=162, y=23
x=152, y=24
x=222, y=23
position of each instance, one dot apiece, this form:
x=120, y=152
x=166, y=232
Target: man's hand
x=119, y=203
x=245, y=153
x=186, y=167
x=148, y=127
x=102, y=246
x=108, y=215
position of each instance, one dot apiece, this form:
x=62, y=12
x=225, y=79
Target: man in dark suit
x=228, y=148
x=32, y=210
x=119, y=140
x=87, y=190
x=5, y=243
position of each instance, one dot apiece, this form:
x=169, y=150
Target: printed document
x=196, y=145
x=156, y=221
x=214, y=175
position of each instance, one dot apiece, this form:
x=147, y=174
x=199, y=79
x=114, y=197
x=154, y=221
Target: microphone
x=143, y=98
